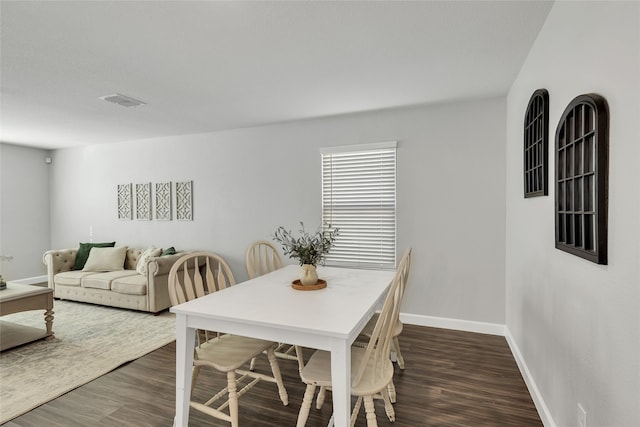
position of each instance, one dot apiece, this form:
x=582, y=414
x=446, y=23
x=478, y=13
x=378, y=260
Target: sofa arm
x=158, y=281
x=162, y=264
x=57, y=261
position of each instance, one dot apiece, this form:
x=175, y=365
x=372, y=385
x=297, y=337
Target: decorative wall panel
x=163, y=201
x=125, y=202
x=143, y=201
x=184, y=201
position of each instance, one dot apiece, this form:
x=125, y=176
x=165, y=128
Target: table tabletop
x=269, y=300
x=267, y=307
x=17, y=290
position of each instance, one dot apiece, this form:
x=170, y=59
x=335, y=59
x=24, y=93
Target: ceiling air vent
x=125, y=101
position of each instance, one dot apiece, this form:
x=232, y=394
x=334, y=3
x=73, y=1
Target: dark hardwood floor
x=452, y=378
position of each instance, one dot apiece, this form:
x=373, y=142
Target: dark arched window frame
x=582, y=169
x=536, y=145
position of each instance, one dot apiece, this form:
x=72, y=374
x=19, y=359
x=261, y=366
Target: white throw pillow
x=141, y=267
x=106, y=259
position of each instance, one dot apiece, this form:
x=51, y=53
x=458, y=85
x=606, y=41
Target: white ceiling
x=204, y=66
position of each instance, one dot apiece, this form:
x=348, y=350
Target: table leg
x=341, y=382
x=185, y=343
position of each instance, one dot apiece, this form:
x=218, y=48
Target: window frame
x=361, y=247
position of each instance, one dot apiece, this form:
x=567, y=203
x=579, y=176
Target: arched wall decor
x=536, y=145
x=581, y=178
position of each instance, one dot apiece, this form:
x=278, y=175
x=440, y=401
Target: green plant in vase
x=310, y=249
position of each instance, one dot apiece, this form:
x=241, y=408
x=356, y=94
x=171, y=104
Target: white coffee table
x=16, y=298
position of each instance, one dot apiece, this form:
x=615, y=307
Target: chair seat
x=229, y=352
x=317, y=371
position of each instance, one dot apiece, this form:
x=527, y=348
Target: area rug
x=90, y=341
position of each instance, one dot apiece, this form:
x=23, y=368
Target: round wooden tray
x=321, y=284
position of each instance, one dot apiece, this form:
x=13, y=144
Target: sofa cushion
x=83, y=252
x=132, y=285
x=106, y=259
x=169, y=251
x=71, y=278
x=104, y=280
x=141, y=268
x=131, y=260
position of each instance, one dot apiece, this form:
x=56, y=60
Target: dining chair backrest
x=198, y=274
x=262, y=257
x=378, y=348
x=404, y=267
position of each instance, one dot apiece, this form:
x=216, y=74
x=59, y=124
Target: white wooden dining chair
x=262, y=257
x=404, y=266
x=196, y=275
x=371, y=366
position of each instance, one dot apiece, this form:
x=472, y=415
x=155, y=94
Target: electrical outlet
x=582, y=416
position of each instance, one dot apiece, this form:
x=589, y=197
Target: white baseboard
x=543, y=411
x=31, y=280
x=457, y=324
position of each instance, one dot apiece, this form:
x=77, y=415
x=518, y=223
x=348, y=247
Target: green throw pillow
x=169, y=251
x=83, y=252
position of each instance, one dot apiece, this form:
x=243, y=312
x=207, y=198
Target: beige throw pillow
x=106, y=259
x=141, y=267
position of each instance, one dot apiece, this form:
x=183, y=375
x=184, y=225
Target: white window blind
x=359, y=198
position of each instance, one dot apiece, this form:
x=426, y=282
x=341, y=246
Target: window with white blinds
x=359, y=198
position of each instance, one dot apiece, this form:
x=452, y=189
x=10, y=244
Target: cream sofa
x=121, y=288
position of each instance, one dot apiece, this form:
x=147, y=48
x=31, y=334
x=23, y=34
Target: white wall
x=247, y=182
x=577, y=324
x=24, y=210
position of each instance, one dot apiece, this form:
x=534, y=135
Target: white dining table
x=267, y=307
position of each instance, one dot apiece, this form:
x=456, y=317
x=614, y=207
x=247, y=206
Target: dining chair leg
x=306, y=405
x=391, y=389
x=396, y=346
x=356, y=409
x=233, y=397
x=369, y=408
x=388, y=407
x=275, y=369
x=321, y=395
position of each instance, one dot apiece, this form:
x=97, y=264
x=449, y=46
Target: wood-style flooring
x=452, y=378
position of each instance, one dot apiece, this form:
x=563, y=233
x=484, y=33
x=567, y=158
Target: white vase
x=308, y=275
